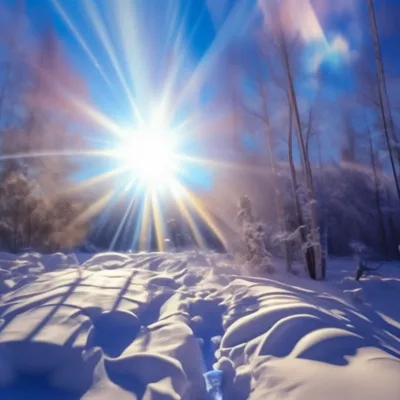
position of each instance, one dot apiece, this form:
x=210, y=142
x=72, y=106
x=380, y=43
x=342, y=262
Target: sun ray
x=220, y=165
x=162, y=116
x=158, y=219
x=97, y=117
x=101, y=30
x=94, y=209
x=104, y=216
x=188, y=218
x=81, y=41
x=145, y=228
x=201, y=211
x=63, y=153
x=220, y=42
x=136, y=241
x=96, y=180
x=122, y=223
x=127, y=27
x=178, y=57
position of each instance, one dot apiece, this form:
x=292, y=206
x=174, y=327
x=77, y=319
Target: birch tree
x=312, y=246
x=383, y=98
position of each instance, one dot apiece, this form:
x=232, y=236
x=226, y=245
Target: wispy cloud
x=297, y=16
x=302, y=18
x=337, y=51
x=325, y=9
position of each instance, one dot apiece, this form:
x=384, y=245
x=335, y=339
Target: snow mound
x=188, y=326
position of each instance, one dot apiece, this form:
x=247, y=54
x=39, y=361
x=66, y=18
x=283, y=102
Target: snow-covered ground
x=149, y=326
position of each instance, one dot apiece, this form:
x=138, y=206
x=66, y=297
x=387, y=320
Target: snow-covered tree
x=30, y=220
x=253, y=238
x=39, y=120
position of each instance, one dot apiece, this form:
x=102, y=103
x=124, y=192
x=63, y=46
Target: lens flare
x=153, y=175
x=151, y=159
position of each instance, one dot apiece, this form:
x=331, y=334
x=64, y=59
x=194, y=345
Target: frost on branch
x=253, y=238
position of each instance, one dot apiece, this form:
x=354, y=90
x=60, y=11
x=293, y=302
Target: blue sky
x=192, y=16
x=334, y=34
x=197, y=19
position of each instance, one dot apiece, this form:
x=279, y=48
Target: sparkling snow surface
x=149, y=326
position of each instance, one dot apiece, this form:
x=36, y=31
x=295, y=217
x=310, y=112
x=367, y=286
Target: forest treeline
x=39, y=122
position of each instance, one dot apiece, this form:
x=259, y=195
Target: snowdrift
x=149, y=326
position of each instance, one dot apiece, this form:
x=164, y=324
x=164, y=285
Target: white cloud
x=298, y=17
x=303, y=18
x=336, y=51
x=340, y=45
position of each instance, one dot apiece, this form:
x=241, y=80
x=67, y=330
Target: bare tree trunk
x=278, y=194
x=377, y=195
x=393, y=232
x=308, y=251
x=381, y=72
x=3, y=92
x=309, y=127
x=382, y=91
x=236, y=141
x=324, y=225
x=316, y=262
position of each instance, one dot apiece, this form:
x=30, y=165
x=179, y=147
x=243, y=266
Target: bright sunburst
x=142, y=65
x=150, y=156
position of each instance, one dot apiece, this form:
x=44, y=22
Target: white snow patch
x=129, y=326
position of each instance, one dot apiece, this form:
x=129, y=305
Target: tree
x=378, y=200
x=311, y=241
x=15, y=190
x=261, y=113
x=253, y=237
x=39, y=122
x=54, y=122
x=384, y=106
x=53, y=222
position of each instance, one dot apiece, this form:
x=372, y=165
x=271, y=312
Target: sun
x=151, y=157
x=153, y=170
